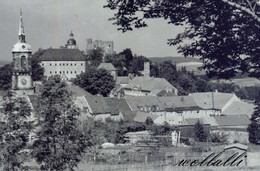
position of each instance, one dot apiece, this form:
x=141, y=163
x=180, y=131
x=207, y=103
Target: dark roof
x=193, y=121
x=150, y=84
x=78, y=91
x=210, y=100
x=104, y=105
x=179, y=103
x=62, y=55
x=135, y=102
x=142, y=116
x=107, y=66
x=232, y=120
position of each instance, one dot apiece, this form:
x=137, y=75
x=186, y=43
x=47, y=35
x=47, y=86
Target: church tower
x=22, y=70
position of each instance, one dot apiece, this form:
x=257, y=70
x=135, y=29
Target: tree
x=199, y=132
x=16, y=126
x=37, y=69
x=6, y=77
x=96, y=56
x=254, y=126
x=119, y=62
x=60, y=143
x=95, y=81
x=223, y=33
x=127, y=53
x=137, y=64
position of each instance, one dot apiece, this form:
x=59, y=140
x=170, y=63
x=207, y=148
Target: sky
x=48, y=23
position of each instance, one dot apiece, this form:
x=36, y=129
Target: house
x=110, y=68
x=240, y=108
x=214, y=102
x=142, y=117
x=179, y=104
x=67, y=62
x=149, y=86
x=105, y=107
x=234, y=122
x=148, y=104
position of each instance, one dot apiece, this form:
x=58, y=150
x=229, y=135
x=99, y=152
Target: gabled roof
x=105, y=105
x=210, y=100
x=193, y=121
x=62, y=55
x=240, y=108
x=150, y=84
x=236, y=145
x=107, y=66
x=78, y=91
x=142, y=116
x=179, y=102
x=122, y=80
x=136, y=102
x=232, y=120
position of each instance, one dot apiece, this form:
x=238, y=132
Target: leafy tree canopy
x=254, y=126
x=95, y=81
x=16, y=126
x=223, y=33
x=6, y=77
x=96, y=56
x=60, y=142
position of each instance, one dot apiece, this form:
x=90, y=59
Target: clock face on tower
x=23, y=81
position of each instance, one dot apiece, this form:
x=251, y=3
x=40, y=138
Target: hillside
x=174, y=59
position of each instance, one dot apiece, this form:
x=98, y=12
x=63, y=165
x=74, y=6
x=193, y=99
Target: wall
x=66, y=69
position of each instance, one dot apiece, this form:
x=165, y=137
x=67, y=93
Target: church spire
x=21, y=34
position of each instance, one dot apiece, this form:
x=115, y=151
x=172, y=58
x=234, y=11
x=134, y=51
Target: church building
x=22, y=82
x=67, y=61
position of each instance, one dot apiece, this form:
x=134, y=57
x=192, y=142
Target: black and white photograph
x=130, y=85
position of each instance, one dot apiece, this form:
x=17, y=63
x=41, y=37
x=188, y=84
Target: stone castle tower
x=22, y=70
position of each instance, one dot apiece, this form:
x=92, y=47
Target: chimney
x=146, y=69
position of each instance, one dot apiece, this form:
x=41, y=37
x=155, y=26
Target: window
x=81, y=64
x=50, y=64
x=71, y=72
x=60, y=72
x=63, y=72
x=50, y=72
x=71, y=64
x=55, y=72
x=67, y=72
x=67, y=64
x=55, y=64
x=75, y=64
x=63, y=64
x=60, y=64
x=75, y=72
x=42, y=64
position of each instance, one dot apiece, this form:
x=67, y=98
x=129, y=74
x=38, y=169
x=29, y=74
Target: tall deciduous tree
x=95, y=81
x=16, y=126
x=254, y=126
x=60, y=143
x=37, y=69
x=199, y=132
x=96, y=56
x=6, y=77
x=225, y=34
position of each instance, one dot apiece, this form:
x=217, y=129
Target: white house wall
x=66, y=69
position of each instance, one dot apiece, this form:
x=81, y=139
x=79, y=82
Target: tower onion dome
x=71, y=41
x=21, y=45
